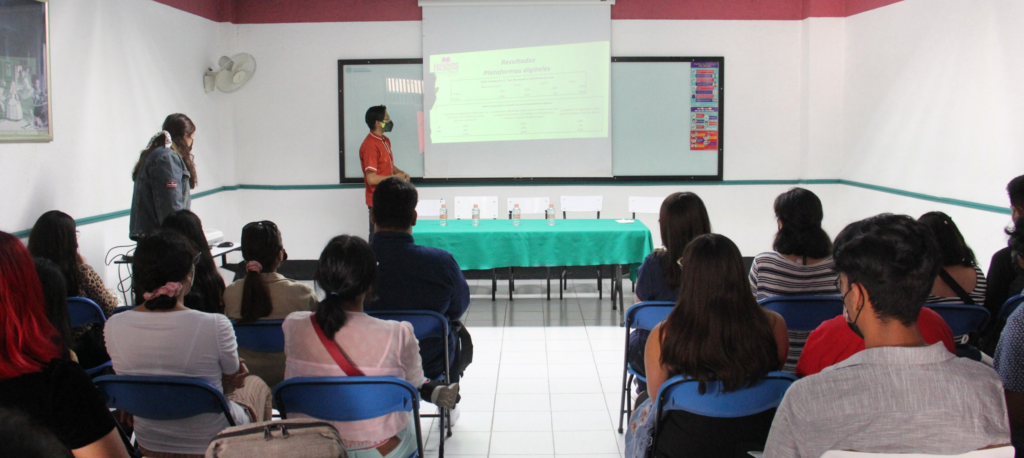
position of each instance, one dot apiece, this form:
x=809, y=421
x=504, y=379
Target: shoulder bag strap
x=959, y=290
x=332, y=347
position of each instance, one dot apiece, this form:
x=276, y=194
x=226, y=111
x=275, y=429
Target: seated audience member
x=960, y=280
x=56, y=298
x=716, y=333
x=34, y=378
x=23, y=437
x=900, y=395
x=1009, y=354
x=801, y=264
x=833, y=342
x=208, y=289
x=681, y=219
x=265, y=294
x=163, y=337
x=347, y=273
x=55, y=238
x=414, y=277
x=1006, y=272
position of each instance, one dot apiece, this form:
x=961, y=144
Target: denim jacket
x=161, y=188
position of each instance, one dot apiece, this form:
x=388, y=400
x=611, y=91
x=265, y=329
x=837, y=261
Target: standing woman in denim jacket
x=164, y=176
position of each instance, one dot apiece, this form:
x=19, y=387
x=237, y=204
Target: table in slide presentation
x=543, y=92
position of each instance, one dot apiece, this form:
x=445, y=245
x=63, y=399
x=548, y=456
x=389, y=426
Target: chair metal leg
x=629, y=399
x=600, y=293
x=548, y=277
x=494, y=284
x=625, y=387
x=511, y=282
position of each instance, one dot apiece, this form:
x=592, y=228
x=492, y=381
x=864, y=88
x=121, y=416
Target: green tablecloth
x=570, y=242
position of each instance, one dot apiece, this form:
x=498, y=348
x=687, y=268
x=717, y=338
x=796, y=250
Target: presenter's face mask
x=388, y=125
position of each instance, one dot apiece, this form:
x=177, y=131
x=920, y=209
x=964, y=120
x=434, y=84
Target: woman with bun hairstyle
x=162, y=337
x=164, y=176
x=801, y=263
x=264, y=294
x=207, y=290
x=347, y=273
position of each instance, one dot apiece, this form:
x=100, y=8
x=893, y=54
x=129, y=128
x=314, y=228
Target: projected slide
x=544, y=92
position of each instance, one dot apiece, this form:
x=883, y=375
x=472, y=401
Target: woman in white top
x=265, y=294
x=347, y=272
x=164, y=338
x=801, y=263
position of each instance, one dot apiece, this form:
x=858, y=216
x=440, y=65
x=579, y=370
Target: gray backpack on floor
x=299, y=438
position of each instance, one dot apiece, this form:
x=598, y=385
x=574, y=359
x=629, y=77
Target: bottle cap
x=444, y=205
x=475, y=205
x=517, y=205
x=551, y=205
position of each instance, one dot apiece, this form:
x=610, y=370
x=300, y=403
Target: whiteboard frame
x=545, y=181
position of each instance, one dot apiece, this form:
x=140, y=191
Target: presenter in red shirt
x=375, y=157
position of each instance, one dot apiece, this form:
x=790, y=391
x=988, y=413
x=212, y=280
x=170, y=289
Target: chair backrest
x=645, y=205
x=805, y=313
x=582, y=204
x=163, y=398
x=83, y=311
x=425, y=324
x=680, y=393
x=528, y=205
x=1010, y=306
x=261, y=335
x=961, y=318
x=429, y=207
x=1000, y=452
x=349, y=399
x=464, y=207
x=647, y=315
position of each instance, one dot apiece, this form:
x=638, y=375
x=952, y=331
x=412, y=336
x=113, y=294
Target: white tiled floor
x=549, y=388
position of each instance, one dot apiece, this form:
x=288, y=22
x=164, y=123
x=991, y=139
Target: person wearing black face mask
x=899, y=395
x=375, y=157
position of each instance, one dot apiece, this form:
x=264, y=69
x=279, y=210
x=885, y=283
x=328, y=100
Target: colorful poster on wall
x=704, y=106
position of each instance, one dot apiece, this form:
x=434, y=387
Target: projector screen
x=516, y=91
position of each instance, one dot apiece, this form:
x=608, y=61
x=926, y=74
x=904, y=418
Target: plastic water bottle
x=476, y=215
x=516, y=215
x=550, y=214
x=443, y=217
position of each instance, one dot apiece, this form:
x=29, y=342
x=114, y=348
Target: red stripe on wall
x=860, y=6
x=299, y=11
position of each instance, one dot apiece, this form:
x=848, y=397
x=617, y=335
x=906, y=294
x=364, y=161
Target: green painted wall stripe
x=313, y=187
x=1005, y=210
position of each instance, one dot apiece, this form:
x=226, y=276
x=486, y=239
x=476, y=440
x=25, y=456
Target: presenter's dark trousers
x=370, y=213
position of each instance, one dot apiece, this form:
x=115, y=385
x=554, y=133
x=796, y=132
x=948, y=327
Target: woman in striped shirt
x=801, y=263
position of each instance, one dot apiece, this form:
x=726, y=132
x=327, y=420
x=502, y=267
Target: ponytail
x=347, y=270
x=261, y=244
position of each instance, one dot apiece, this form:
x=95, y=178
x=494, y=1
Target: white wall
x=933, y=104
x=915, y=96
x=118, y=67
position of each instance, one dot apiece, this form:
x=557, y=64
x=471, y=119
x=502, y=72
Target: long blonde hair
x=179, y=126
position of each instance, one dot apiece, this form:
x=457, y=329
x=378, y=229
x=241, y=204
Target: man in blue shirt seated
x=414, y=277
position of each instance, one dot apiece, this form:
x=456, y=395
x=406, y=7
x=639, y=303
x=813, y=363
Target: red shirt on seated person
x=833, y=341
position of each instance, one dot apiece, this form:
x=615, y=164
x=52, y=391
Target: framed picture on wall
x=24, y=72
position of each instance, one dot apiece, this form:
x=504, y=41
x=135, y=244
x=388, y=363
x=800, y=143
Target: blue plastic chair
x=1010, y=306
x=804, y=313
x=261, y=335
x=643, y=316
x=679, y=393
x=163, y=398
x=83, y=311
x=961, y=318
x=350, y=399
x=426, y=324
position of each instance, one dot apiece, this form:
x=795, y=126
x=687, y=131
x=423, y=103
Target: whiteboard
x=650, y=130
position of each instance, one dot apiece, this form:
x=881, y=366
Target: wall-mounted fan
x=234, y=72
